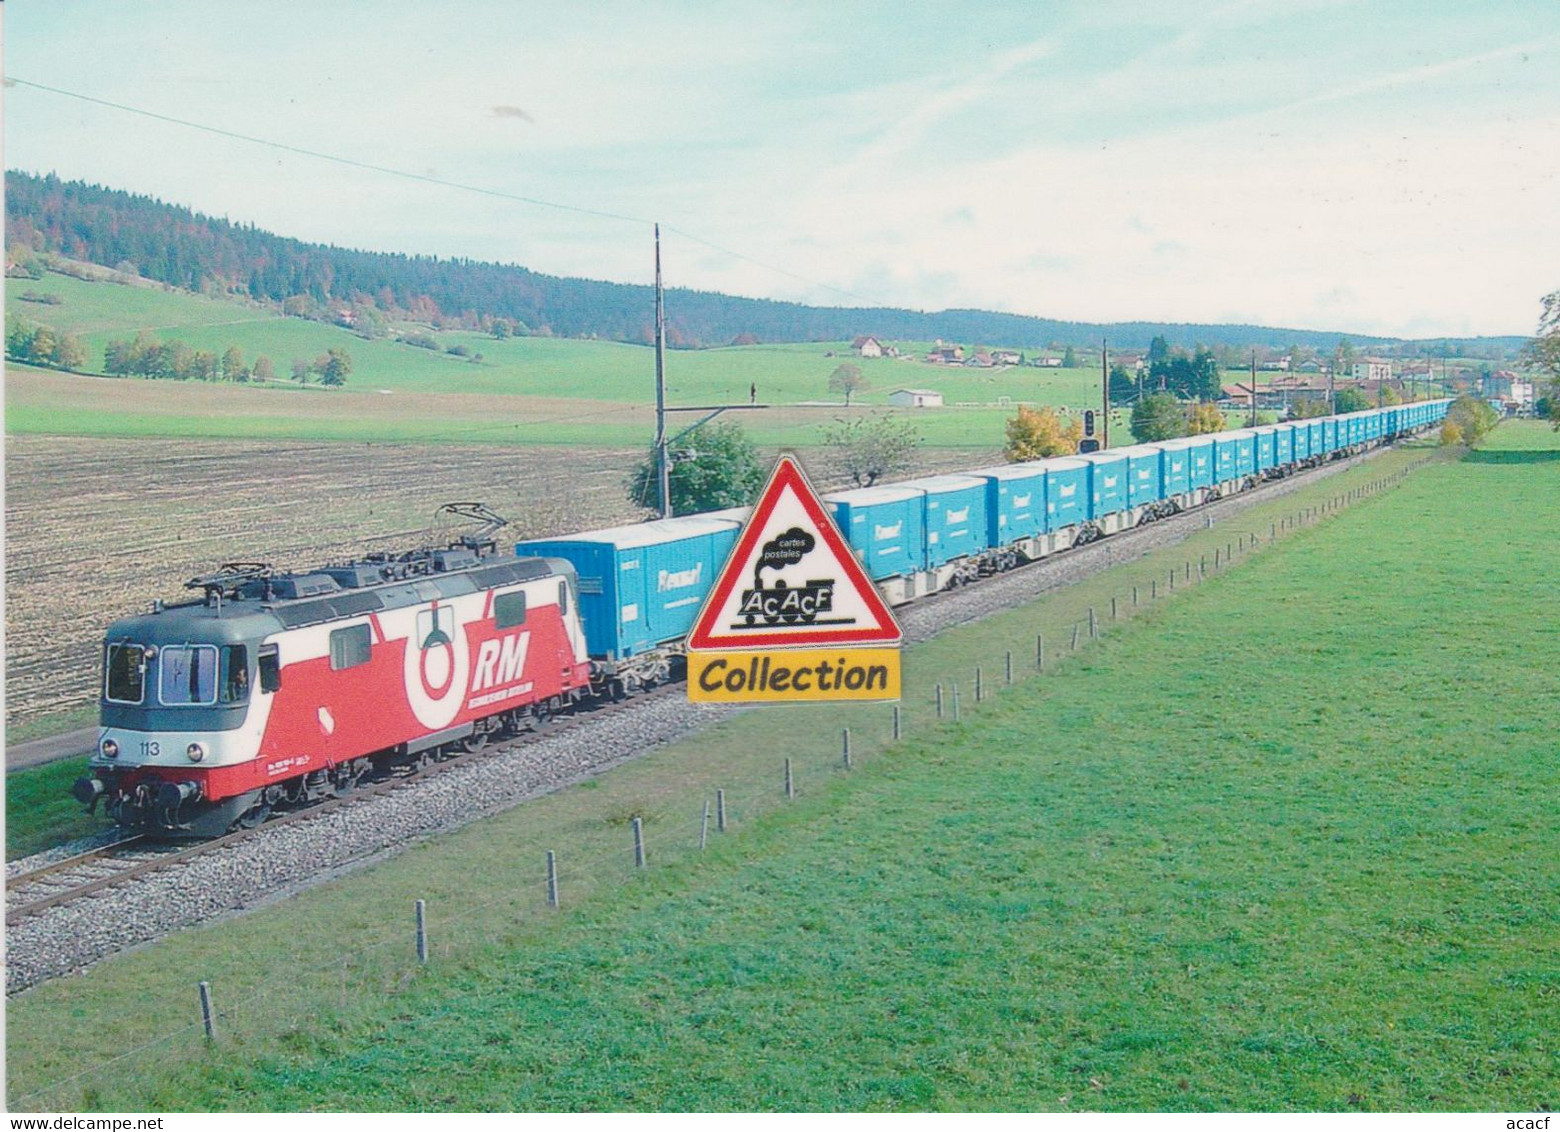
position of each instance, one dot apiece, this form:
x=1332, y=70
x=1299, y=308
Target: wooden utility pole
x=663, y=462
x=1105, y=390
x=1253, y=389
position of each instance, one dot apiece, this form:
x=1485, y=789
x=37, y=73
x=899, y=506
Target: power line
x=391, y=171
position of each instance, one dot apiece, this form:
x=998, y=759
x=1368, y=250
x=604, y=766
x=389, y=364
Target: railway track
x=75, y=878
x=67, y=881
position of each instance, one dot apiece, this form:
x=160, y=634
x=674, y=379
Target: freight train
x=273, y=689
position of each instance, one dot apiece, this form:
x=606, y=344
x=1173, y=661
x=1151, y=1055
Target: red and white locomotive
x=275, y=689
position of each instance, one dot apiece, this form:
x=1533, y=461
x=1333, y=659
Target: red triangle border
x=788, y=474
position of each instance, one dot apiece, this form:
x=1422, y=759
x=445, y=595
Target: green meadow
x=1283, y=840
x=540, y=390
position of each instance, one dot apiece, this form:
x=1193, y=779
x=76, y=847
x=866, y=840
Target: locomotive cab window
x=270, y=669
x=349, y=646
x=187, y=674
x=124, y=673
x=235, y=674
x=563, y=599
x=509, y=610
x=436, y=627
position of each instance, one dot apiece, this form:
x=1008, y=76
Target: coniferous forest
x=173, y=245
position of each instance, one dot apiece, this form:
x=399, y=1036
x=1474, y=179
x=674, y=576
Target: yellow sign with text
x=793, y=676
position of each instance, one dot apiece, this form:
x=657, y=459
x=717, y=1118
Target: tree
x=847, y=378
x=1306, y=407
x=1473, y=419
x=233, y=367
x=1204, y=417
x=205, y=366
x=1543, y=352
x=1122, y=386
x=180, y=362
x=118, y=359
x=1350, y=401
x=1343, y=357
x=70, y=352
x=871, y=448
x=301, y=370
x=1069, y=359
x=1158, y=350
x=713, y=466
x=1157, y=417
x=264, y=369
x=333, y=365
x=1038, y=433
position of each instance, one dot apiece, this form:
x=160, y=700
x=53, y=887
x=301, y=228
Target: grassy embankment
x=524, y=391
x=1305, y=861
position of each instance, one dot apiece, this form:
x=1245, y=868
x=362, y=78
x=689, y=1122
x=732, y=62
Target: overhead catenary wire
x=429, y=179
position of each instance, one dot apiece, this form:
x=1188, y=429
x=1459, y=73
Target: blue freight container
x=1175, y=464
x=1284, y=439
x=1300, y=434
x=641, y=585
x=1266, y=448
x=885, y=527
x=1066, y=492
x=1225, y=465
x=1200, y=455
x=1331, y=428
x=1318, y=429
x=1015, y=501
x=954, y=517
x=1245, y=452
x=1144, y=474
x=1107, y=482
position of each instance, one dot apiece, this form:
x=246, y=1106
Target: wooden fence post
x=704, y=825
x=845, y=746
x=208, y=1016
x=720, y=811
x=422, y=931
x=639, y=843
x=552, y=878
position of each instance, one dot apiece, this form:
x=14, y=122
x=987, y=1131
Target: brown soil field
x=96, y=529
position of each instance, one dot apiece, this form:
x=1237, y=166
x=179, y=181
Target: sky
x=1384, y=167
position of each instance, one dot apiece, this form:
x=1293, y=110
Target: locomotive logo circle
x=437, y=666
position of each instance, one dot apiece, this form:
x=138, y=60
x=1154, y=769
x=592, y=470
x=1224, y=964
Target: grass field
x=525, y=390
x=1306, y=861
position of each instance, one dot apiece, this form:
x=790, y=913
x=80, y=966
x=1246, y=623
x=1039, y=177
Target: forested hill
x=187, y=249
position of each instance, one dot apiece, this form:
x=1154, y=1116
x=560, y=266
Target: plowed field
x=98, y=528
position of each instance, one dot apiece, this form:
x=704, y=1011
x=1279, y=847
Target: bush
x=421, y=341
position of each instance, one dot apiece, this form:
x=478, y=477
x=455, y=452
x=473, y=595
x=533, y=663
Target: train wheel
x=474, y=742
x=255, y=816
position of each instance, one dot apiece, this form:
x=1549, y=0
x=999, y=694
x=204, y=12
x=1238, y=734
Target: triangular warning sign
x=792, y=579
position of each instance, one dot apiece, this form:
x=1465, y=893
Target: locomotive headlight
x=196, y=752
x=109, y=748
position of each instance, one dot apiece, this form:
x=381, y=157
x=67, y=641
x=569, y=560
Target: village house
x=867, y=346
x=1372, y=369
x=946, y=355
x=1007, y=357
x=915, y=399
